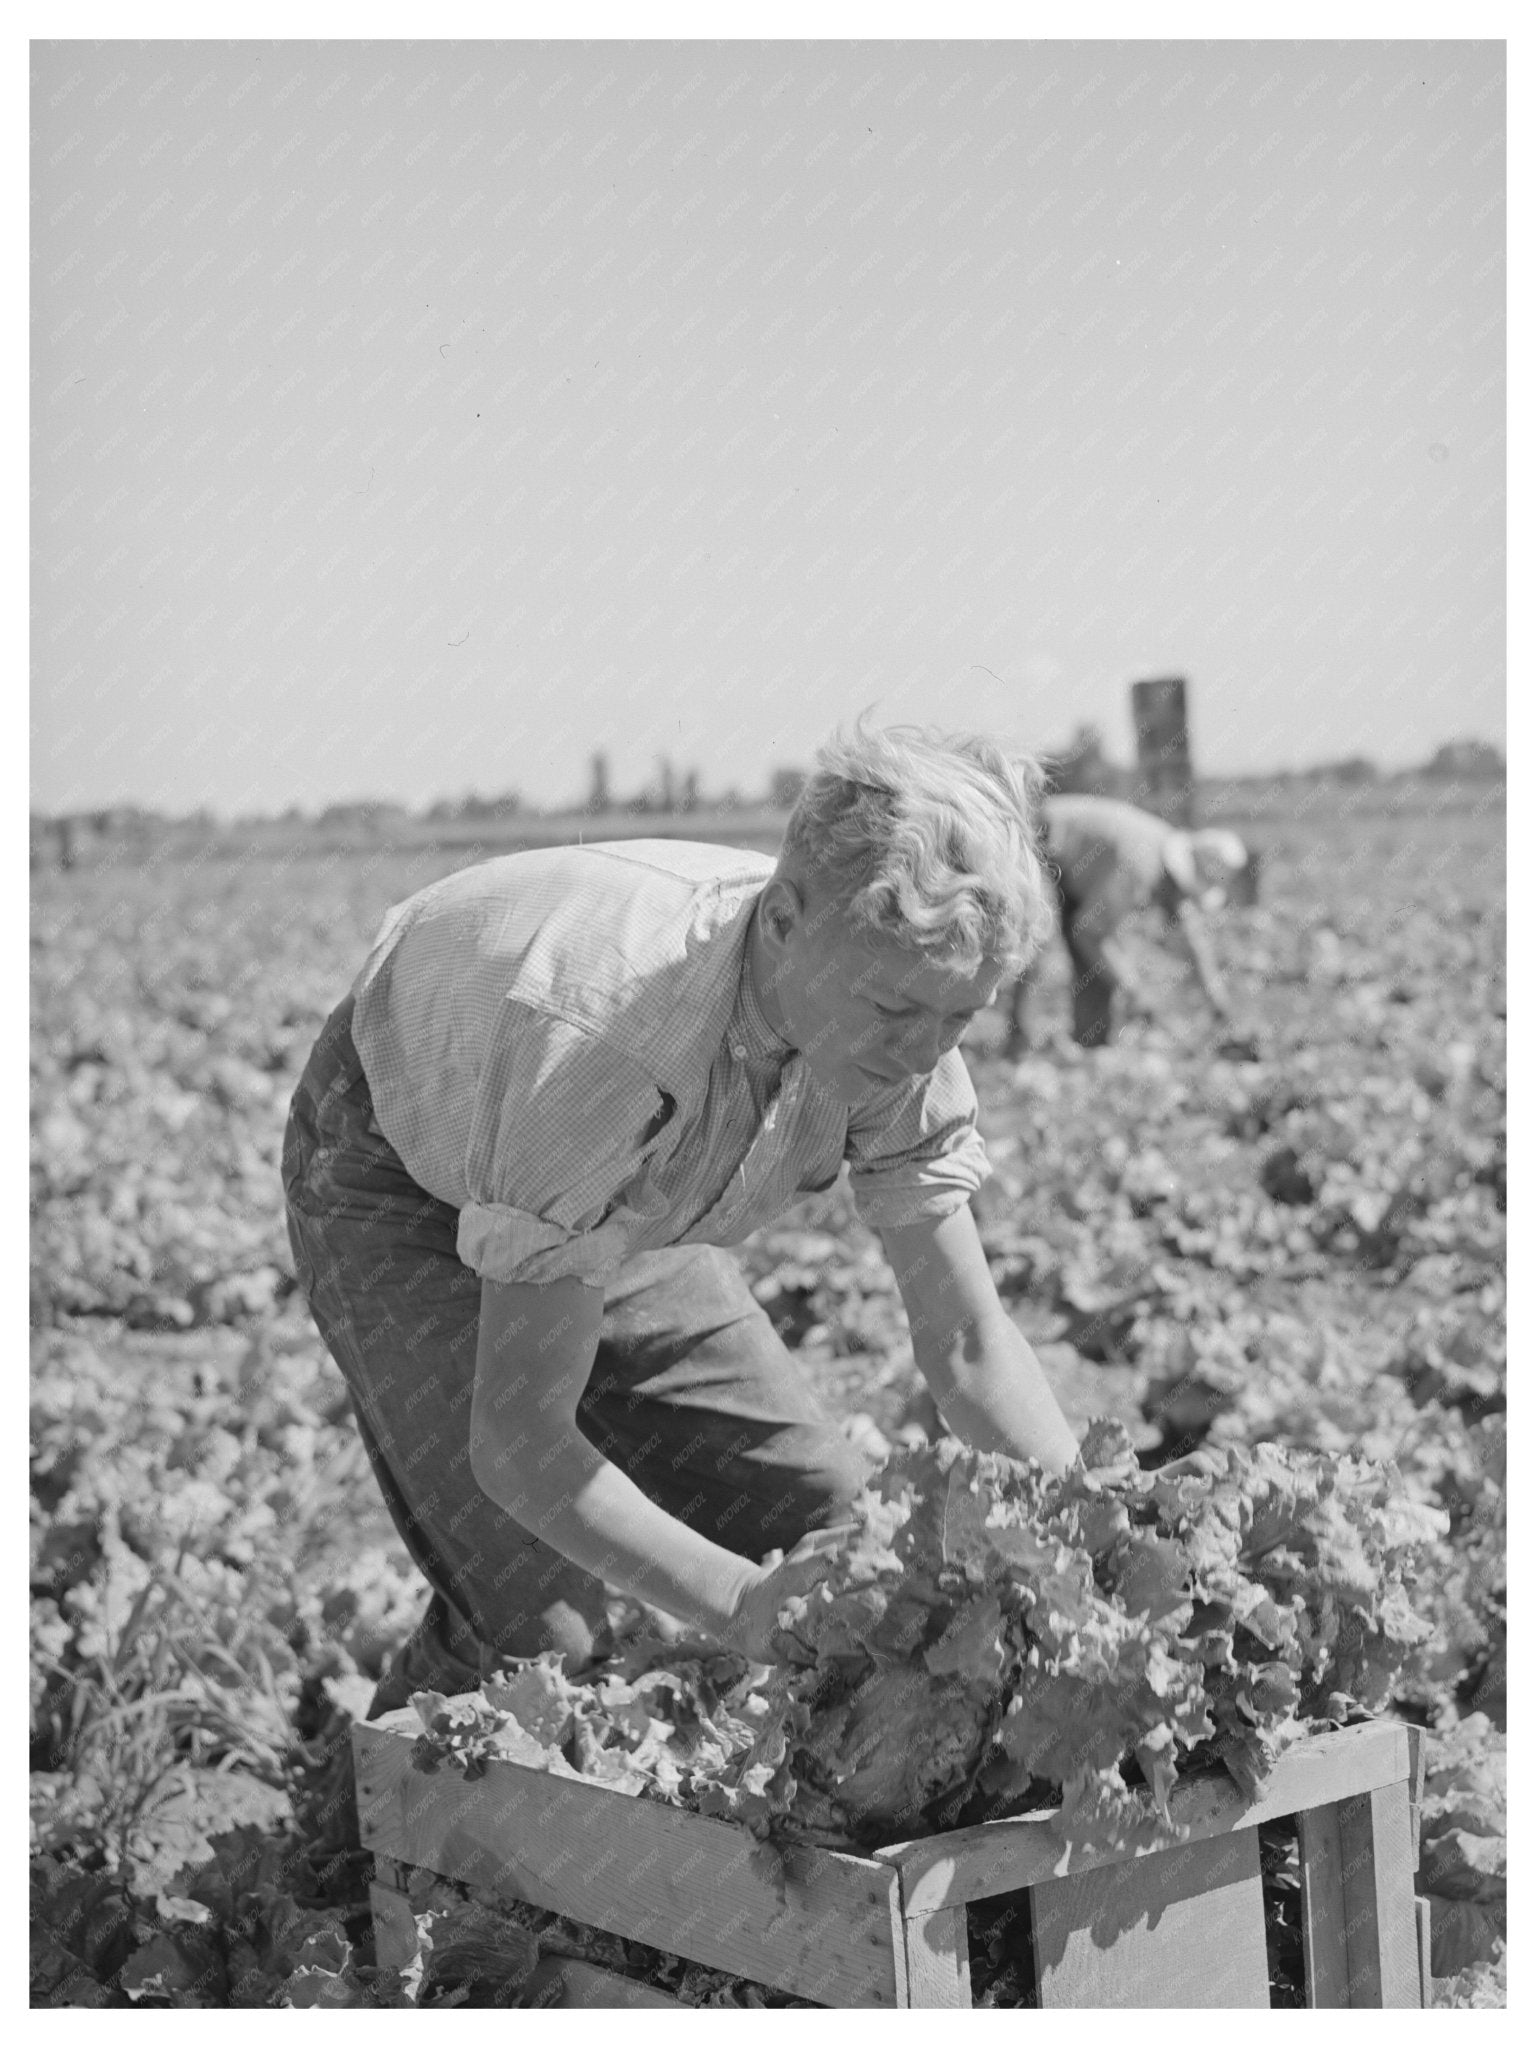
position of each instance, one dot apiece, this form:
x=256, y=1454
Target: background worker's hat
x=1204, y=863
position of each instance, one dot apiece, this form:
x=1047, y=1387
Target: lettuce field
x=1294, y=1237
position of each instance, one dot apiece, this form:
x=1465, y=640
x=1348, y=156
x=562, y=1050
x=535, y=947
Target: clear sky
x=415, y=418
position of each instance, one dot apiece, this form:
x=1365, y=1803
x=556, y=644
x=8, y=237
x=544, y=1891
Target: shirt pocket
x=815, y=1176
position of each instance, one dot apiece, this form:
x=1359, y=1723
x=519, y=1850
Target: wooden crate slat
x=1423, y=1914
x=1324, y=1947
x=1381, y=1926
x=562, y=1984
x=939, y=1959
x=1005, y=1855
x=1183, y=1928
x=634, y=1867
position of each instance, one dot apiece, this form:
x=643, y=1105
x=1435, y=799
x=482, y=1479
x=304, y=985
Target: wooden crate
x=1171, y=1927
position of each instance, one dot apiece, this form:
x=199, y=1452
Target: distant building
x=1165, y=775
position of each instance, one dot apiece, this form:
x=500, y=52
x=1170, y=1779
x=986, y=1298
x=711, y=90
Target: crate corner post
x=1360, y=1925
x=938, y=1959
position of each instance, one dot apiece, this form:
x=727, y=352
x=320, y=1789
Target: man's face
x=864, y=1014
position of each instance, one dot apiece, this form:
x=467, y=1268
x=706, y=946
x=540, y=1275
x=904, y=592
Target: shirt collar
x=749, y=1034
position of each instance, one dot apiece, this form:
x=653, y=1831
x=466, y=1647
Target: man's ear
x=782, y=907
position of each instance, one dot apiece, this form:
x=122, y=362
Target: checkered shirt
x=563, y=1046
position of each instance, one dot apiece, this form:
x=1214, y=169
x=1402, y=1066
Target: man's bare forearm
x=985, y=1378
x=994, y=1394
x=1201, y=957
x=568, y=1495
x=532, y=1362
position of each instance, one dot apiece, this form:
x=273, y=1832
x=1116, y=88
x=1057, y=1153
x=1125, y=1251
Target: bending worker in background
x=562, y=1080
x=1109, y=859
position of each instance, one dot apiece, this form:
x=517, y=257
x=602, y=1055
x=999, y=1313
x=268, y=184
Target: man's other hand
x=754, y=1631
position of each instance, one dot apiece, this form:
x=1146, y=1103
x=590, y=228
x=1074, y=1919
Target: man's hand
x=1136, y=1002
x=753, y=1631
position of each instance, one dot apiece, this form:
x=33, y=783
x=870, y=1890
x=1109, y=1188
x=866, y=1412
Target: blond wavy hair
x=924, y=838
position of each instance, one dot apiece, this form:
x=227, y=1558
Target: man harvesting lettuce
x=560, y=1082
x=1109, y=860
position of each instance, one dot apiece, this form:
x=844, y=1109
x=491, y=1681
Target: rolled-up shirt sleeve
x=555, y=1166
x=914, y=1150
x=503, y=1243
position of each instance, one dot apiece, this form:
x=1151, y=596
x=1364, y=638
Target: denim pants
x=1085, y=922
x=691, y=1394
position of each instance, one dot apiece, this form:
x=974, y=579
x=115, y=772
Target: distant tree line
x=1082, y=767
x=1081, y=764
x=1474, y=759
